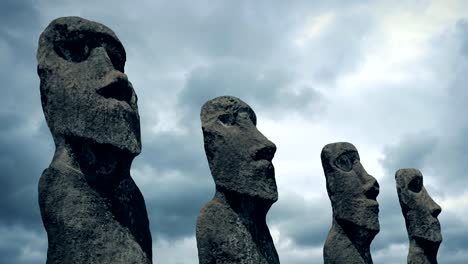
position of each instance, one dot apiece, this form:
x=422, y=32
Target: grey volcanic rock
x=420, y=213
x=91, y=208
x=231, y=228
x=353, y=194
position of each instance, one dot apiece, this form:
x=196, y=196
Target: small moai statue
x=91, y=208
x=420, y=213
x=231, y=228
x=353, y=194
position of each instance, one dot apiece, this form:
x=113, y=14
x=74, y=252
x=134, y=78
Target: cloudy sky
x=388, y=76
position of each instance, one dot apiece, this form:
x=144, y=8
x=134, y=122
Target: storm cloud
x=388, y=77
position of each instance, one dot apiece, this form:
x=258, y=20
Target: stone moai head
x=239, y=155
x=84, y=91
x=351, y=189
x=419, y=210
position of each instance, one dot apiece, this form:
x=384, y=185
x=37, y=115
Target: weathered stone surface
x=231, y=228
x=353, y=194
x=91, y=208
x=420, y=213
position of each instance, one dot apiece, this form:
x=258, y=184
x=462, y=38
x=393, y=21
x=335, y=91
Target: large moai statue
x=420, y=213
x=91, y=208
x=353, y=194
x=231, y=228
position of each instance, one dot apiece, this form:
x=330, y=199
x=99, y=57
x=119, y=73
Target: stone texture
x=231, y=228
x=353, y=194
x=420, y=213
x=91, y=208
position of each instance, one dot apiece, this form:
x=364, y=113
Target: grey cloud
x=441, y=153
x=22, y=245
x=268, y=89
x=306, y=222
x=22, y=160
x=25, y=149
x=340, y=46
x=173, y=214
x=412, y=152
x=243, y=50
x=183, y=152
x=174, y=202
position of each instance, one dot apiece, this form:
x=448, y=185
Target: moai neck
x=100, y=163
x=422, y=254
x=252, y=211
x=352, y=237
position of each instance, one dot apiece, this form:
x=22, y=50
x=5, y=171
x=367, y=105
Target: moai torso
x=420, y=213
x=91, y=208
x=231, y=228
x=353, y=194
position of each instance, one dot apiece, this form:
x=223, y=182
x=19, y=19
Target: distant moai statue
x=91, y=208
x=231, y=228
x=353, y=194
x=420, y=213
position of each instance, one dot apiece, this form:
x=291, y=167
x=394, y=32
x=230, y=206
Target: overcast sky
x=388, y=76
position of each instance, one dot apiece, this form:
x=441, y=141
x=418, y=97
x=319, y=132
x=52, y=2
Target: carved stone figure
x=91, y=208
x=353, y=194
x=420, y=213
x=231, y=228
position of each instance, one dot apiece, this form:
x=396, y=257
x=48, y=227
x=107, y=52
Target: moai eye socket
x=227, y=119
x=415, y=185
x=73, y=50
x=344, y=162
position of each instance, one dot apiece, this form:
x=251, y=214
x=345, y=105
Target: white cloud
x=313, y=27
x=182, y=251
x=392, y=254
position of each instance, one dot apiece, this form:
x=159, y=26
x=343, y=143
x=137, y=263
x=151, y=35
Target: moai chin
x=91, y=208
x=420, y=213
x=353, y=194
x=231, y=228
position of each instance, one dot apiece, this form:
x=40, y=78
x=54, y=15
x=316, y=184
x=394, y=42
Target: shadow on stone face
x=353, y=194
x=231, y=228
x=420, y=213
x=91, y=208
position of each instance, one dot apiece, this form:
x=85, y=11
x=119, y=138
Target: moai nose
x=264, y=150
x=373, y=191
x=435, y=210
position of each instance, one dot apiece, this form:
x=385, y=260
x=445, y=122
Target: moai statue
x=91, y=208
x=353, y=194
x=231, y=228
x=420, y=213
